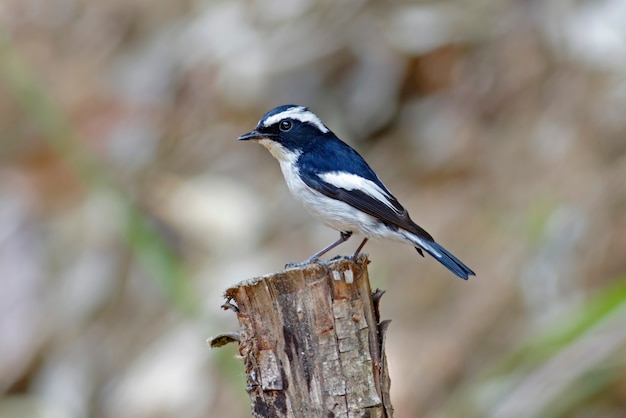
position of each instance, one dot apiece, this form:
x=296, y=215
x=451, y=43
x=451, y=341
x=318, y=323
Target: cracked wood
x=311, y=342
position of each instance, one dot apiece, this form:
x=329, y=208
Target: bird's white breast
x=334, y=213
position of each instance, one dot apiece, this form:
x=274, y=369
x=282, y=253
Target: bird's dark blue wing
x=341, y=160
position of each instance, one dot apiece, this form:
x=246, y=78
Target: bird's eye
x=284, y=125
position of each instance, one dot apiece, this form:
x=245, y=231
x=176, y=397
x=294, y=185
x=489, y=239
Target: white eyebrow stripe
x=298, y=113
x=349, y=181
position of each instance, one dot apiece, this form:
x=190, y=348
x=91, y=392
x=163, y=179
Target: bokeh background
x=127, y=206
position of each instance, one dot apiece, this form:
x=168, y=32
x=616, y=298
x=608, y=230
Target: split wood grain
x=311, y=342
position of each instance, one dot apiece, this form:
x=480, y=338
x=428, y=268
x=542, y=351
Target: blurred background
x=127, y=206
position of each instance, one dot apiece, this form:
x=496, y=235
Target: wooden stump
x=311, y=342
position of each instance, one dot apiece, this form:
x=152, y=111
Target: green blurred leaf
x=472, y=399
x=571, y=327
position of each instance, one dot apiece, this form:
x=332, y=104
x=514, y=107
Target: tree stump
x=311, y=342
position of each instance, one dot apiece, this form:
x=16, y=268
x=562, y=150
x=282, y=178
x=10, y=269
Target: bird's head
x=286, y=130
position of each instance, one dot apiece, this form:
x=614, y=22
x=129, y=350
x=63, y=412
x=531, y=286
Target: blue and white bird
x=336, y=185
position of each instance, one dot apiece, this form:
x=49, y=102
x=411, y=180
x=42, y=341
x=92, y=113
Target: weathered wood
x=311, y=342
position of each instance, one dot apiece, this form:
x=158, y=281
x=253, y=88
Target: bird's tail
x=442, y=255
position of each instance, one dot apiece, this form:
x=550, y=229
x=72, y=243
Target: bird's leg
x=358, y=250
x=343, y=237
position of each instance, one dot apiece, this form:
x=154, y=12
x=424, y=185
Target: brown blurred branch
x=311, y=342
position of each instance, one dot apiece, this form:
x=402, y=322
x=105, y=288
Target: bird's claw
x=302, y=264
x=339, y=257
x=352, y=258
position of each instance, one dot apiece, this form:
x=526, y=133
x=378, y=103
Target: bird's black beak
x=251, y=135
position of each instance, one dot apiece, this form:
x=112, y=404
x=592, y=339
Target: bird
x=336, y=185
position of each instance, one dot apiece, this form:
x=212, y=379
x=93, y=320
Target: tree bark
x=311, y=342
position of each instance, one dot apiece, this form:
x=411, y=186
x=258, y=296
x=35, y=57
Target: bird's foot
x=354, y=257
x=302, y=264
x=339, y=257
